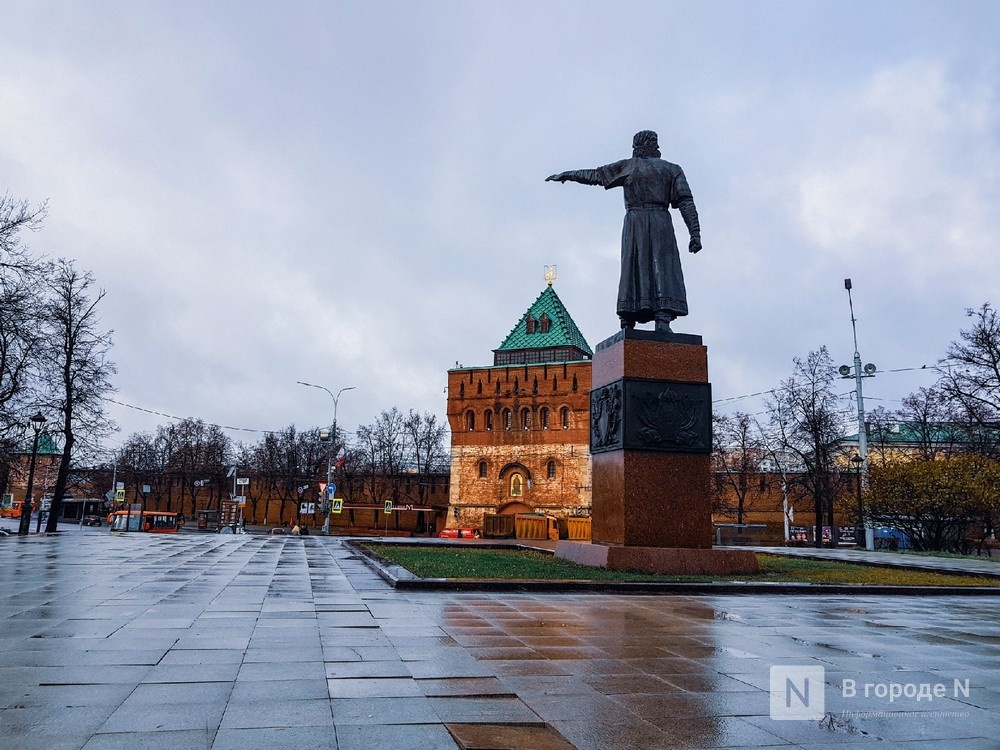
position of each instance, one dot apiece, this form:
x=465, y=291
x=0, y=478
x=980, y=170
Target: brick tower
x=520, y=428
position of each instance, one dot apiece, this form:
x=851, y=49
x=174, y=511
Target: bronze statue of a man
x=652, y=284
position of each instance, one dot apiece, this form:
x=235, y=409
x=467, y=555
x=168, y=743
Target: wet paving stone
x=223, y=642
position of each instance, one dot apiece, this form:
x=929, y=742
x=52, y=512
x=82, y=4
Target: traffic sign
x=120, y=495
x=241, y=481
x=388, y=506
x=331, y=489
x=338, y=505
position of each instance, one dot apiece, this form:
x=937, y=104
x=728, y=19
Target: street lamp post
x=858, y=375
x=859, y=527
x=333, y=447
x=37, y=422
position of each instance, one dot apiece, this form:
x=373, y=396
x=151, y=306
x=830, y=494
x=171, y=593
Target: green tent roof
x=47, y=445
x=561, y=330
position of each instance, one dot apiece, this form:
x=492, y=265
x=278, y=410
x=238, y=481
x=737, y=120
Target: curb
x=403, y=580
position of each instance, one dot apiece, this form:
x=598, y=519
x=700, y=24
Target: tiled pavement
x=202, y=641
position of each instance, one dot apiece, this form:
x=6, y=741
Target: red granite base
x=662, y=560
x=648, y=499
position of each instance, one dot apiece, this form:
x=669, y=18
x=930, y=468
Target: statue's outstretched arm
x=583, y=176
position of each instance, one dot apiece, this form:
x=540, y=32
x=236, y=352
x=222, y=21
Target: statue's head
x=644, y=145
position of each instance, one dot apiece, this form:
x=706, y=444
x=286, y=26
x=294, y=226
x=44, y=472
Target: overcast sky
x=352, y=193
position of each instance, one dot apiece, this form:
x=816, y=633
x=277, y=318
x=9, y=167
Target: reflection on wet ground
x=250, y=642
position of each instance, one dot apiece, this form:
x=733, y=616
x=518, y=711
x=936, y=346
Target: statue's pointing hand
x=561, y=177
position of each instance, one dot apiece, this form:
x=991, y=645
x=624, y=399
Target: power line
x=181, y=419
x=773, y=390
x=209, y=424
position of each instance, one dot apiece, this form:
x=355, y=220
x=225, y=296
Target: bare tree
x=139, y=462
x=287, y=462
x=78, y=372
x=806, y=417
x=428, y=451
x=970, y=379
x=195, y=457
x=382, y=448
x=931, y=423
x=736, y=458
x=21, y=278
x=15, y=217
x=428, y=442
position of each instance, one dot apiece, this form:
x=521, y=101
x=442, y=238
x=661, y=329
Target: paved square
x=201, y=640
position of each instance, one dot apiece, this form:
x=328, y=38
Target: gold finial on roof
x=550, y=274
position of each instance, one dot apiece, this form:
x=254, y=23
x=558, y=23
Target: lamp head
x=38, y=420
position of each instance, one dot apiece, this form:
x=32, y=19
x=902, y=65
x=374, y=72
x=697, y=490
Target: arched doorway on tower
x=515, y=485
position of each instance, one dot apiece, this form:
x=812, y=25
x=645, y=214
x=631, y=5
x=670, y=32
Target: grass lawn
x=475, y=562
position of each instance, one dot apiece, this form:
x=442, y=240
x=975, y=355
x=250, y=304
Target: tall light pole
x=333, y=446
x=37, y=422
x=859, y=528
x=868, y=371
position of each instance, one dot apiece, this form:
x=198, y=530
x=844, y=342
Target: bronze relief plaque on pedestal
x=651, y=415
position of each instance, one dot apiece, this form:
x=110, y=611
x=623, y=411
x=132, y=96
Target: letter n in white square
x=797, y=692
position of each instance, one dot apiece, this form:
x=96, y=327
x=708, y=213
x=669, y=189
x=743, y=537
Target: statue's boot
x=626, y=321
x=663, y=321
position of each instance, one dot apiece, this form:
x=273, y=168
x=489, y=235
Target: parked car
x=278, y=531
x=92, y=521
x=459, y=534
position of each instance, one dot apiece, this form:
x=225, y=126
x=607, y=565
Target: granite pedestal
x=650, y=444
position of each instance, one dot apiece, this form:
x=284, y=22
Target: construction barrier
x=536, y=526
x=578, y=529
x=498, y=527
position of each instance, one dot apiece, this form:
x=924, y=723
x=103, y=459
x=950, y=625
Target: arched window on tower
x=543, y=417
x=506, y=419
x=482, y=470
x=550, y=468
x=544, y=322
x=525, y=419
x=530, y=324
x=564, y=417
x=470, y=420
x=488, y=420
